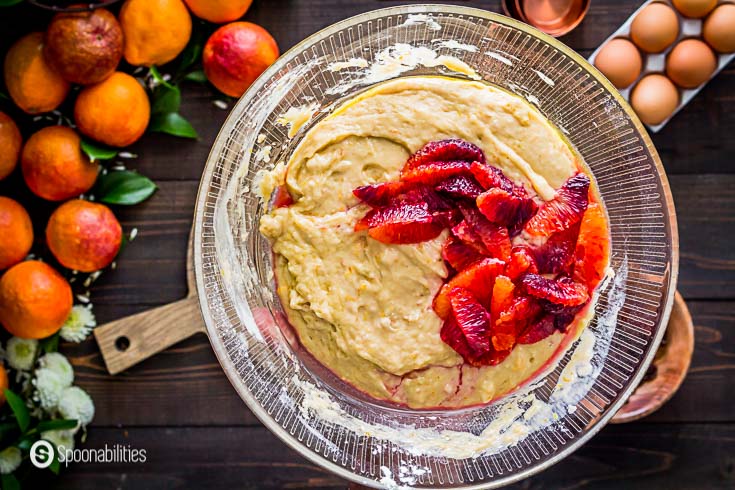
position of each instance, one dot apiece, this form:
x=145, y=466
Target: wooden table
x=199, y=434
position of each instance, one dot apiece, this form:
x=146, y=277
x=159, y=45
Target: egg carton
x=656, y=62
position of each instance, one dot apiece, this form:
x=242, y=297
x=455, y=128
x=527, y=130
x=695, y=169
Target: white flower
x=21, y=353
x=49, y=386
x=80, y=323
x=76, y=404
x=10, y=459
x=62, y=439
x=59, y=364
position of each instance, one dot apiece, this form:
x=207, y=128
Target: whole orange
x=16, y=232
x=219, y=11
x=155, y=31
x=32, y=83
x=54, y=165
x=115, y=111
x=83, y=235
x=236, y=54
x=3, y=383
x=35, y=300
x=10, y=143
x=84, y=47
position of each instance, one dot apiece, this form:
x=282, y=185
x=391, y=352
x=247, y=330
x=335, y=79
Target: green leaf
x=166, y=98
x=124, y=187
x=55, y=464
x=9, y=482
x=123, y=243
x=172, y=123
x=193, y=51
x=98, y=152
x=158, y=77
x=58, y=424
x=9, y=3
x=50, y=344
x=19, y=409
x=197, y=76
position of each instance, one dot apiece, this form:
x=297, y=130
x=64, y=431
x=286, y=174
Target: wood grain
x=126, y=342
x=135, y=338
x=635, y=456
x=180, y=406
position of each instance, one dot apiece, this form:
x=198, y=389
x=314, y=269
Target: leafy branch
x=166, y=102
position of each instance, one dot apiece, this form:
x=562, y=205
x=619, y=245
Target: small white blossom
x=49, y=386
x=62, y=439
x=10, y=459
x=59, y=364
x=80, y=323
x=21, y=353
x=76, y=404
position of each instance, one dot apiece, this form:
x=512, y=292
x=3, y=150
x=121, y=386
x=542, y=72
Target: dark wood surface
x=197, y=432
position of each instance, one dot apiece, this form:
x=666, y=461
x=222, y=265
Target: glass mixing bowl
x=374, y=443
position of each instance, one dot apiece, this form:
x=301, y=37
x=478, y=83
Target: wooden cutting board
x=130, y=340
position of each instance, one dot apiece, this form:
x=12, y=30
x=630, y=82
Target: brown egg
x=655, y=28
x=690, y=63
x=620, y=61
x=695, y=8
x=719, y=28
x=654, y=99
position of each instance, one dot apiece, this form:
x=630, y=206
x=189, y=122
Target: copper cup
x=554, y=17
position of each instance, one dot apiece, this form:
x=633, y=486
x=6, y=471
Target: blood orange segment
x=513, y=320
x=460, y=186
x=538, y=330
x=445, y=150
x=494, y=237
x=459, y=255
x=472, y=318
x=464, y=232
x=502, y=295
x=434, y=172
x=423, y=194
x=453, y=336
x=564, y=210
x=561, y=291
x=380, y=194
x=557, y=254
x=521, y=261
x=478, y=278
x=491, y=177
x=400, y=224
x=593, y=251
x=506, y=209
